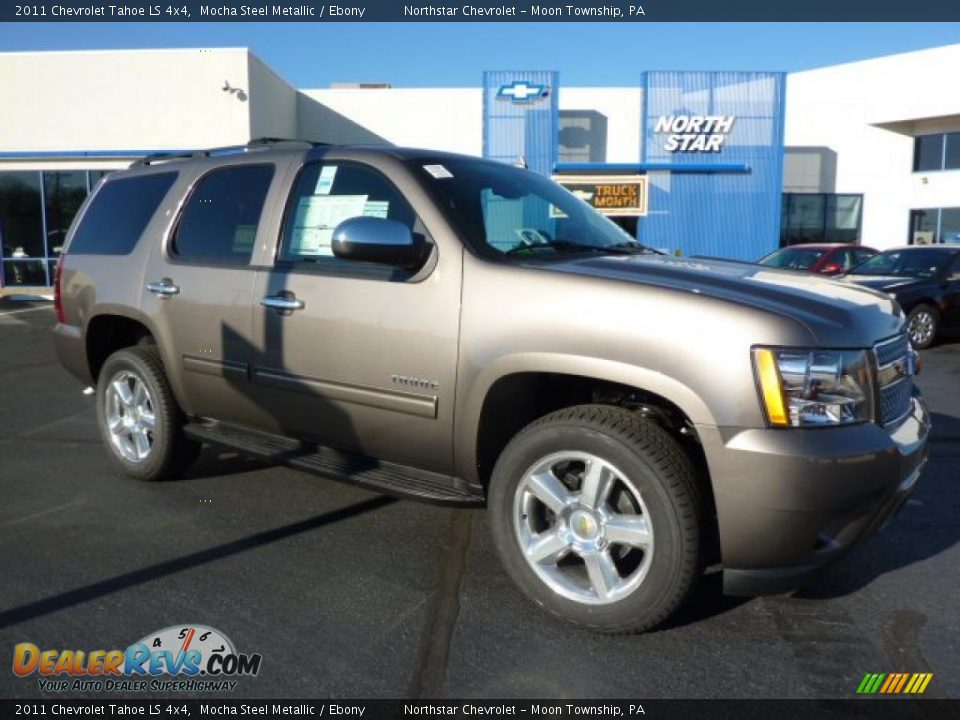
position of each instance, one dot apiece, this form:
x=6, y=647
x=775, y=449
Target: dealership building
x=730, y=164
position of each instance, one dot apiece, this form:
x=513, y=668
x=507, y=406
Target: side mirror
x=831, y=269
x=376, y=240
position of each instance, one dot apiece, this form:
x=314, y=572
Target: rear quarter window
x=119, y=213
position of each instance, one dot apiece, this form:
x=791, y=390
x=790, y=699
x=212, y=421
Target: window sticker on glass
x=377, y=208
x=244, y=238
x=316, y=218
x=439, y=172
x=325, y=180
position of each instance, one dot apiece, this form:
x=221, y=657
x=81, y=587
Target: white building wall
x=448, y=119
x=81, y=102
x=867, y=112
x=273, y=103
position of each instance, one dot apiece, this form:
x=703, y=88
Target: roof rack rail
x=261, y=143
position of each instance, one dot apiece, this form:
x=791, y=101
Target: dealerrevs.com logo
x=187, y=658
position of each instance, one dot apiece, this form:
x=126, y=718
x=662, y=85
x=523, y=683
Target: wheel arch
x=110, y=330
x=500, y=398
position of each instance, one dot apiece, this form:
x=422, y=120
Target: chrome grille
x=895, y=396
x=895, y=401
x=891, y=350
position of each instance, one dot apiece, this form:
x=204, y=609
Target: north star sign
x=522, y=92
x=694, y=133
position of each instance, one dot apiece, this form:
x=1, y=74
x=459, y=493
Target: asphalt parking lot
x=348, y=594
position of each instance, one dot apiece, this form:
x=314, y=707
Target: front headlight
x=802, y=387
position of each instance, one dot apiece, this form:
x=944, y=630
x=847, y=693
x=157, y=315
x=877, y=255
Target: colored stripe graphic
x=894, y=683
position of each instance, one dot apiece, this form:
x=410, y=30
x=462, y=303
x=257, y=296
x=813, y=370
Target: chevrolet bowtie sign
x=694, y=133
x=613, y=195
x=522, y=92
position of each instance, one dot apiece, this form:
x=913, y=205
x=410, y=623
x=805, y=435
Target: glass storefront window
x=934, y=225
x=32, y=201
x=804, y=219
x=843, y=218
x=21, y=215
x=950, y=225
x=24, y=273
x=63, y=192
x=820, y=217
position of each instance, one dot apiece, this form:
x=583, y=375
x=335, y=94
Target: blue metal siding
x=513, y=129
x=734, y=215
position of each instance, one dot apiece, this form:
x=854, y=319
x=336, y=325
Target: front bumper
x=791, y=500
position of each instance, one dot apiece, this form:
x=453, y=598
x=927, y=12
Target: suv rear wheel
x=140, y=422
x=595, y=516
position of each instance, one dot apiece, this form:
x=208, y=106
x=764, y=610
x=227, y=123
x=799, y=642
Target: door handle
x=283, y=303
x=163, y=288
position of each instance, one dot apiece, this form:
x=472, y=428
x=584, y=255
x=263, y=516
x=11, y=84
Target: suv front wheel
x=140, y=421
x=595, y=515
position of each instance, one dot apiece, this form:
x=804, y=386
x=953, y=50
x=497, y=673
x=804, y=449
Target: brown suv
x=465, y=332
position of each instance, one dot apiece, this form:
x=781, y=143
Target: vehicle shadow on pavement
x=706, y=601
x=213, y=462
x=96, y=590
x=924, y=528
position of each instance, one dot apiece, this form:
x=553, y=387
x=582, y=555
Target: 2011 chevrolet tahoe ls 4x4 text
x=466, y=332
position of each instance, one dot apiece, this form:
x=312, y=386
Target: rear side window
x=220, y=220
x=119, y=213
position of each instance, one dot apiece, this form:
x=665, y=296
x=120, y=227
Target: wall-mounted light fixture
x=239, y=92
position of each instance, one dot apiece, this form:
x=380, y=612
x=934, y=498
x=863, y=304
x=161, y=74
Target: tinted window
x=860, y=255
x=119, y=213
x=928, y=152
x=793, y=258
x=325, y=195
x=21, y=219
x=220, y=220
x=920, y=263
x=64, y=193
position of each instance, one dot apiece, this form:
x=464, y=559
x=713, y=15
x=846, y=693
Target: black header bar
x=632, y=11
x=461, y=709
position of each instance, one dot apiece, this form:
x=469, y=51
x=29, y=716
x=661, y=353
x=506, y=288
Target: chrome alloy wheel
x=920, y=328
x=131, y=421
x=583, y=528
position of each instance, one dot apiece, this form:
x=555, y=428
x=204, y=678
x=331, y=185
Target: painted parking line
x=26, y=310
x=42, y=513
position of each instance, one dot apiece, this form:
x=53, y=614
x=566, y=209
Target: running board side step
x=350, y=468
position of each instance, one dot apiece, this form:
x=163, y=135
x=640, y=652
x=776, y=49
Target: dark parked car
x=924, y=280
x=825, y=259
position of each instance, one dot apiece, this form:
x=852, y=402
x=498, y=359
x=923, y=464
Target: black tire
x=659, y=469
x=917, y=315
x=171, y=451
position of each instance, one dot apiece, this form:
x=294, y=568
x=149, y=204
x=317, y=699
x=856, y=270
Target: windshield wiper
x=635, y=248
x=558, y=245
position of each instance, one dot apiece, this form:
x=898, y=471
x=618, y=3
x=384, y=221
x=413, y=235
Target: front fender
x=473, y=392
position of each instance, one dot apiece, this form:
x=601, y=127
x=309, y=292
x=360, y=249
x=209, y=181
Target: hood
x=884, y=283
x=837, y=314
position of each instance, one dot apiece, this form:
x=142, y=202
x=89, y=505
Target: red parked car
x=823, y=258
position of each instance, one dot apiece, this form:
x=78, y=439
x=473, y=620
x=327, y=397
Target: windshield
x=506, y=211
x=917, y=263
x=793, y=258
